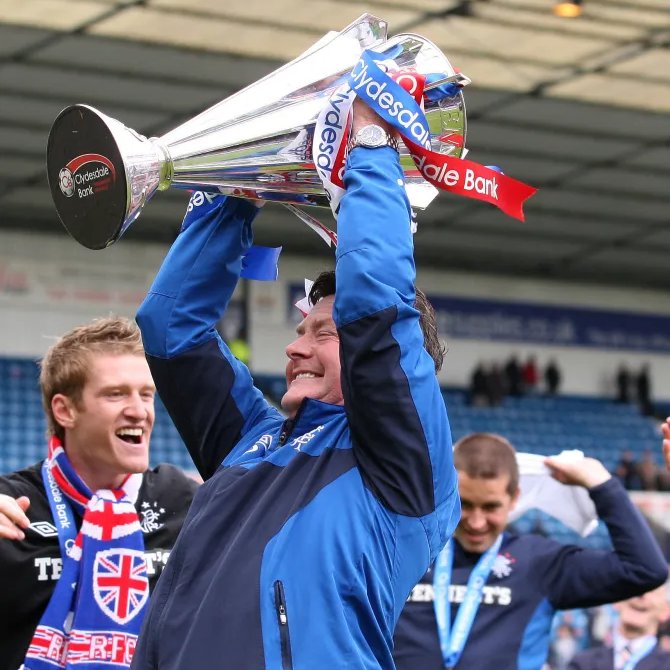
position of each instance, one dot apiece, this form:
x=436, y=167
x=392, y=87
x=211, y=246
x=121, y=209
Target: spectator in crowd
x=488, y=601
x=552, y=377
x=233, y=329
x=665, y=431
x=309, y=532
x=628, y=472
x=623, y=382
x=579, y=621
x=495, y=385
x=530, y=375
x=479, y=386
x=648, y=471
x=636, y=644
x=513, y=379
x=643, y=388
x=563, y=647
x=663, y=479
x=98, y=395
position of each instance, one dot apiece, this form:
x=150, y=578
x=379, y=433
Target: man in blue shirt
x=301, y=546
x=488, y=601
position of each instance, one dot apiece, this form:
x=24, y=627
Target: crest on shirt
x=150, y=517
x=502, y=566
x=120, y=584
x=299, y=442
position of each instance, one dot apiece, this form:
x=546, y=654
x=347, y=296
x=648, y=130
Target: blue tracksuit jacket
x=532, y=577
x=302, y=546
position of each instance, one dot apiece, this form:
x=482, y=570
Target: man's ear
x=64, y=411
x=515, y=497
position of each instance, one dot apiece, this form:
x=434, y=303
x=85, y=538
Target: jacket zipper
x=282, y=618
x=286, y=429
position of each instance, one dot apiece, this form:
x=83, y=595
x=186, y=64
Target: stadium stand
x=548, y=425
x=536, y=424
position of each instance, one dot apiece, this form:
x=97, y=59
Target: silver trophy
x=256, y=143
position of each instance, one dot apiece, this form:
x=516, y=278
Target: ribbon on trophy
x=396, y=95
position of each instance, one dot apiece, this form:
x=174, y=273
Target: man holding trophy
x=308, y=533
x=301, y=546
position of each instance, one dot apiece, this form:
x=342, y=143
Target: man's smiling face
x=486, y=504
x=313, y=368
x=107, y=431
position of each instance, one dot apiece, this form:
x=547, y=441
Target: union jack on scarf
x=94, y=616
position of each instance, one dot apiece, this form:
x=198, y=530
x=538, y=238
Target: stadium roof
x=579, y=108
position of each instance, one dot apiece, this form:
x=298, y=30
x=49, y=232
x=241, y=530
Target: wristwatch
x=372, y=136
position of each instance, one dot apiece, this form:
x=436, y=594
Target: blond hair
x=65, y=366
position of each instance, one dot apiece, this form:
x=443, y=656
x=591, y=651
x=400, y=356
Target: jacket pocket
x=282, y=620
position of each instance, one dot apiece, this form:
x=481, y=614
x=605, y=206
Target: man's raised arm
x=395, y=408
x=579, y=577
x=208, y=393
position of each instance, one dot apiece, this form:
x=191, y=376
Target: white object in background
x=571, y=505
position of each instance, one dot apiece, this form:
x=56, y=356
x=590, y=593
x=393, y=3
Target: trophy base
x=87, y=177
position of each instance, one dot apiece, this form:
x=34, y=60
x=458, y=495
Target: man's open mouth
x=130, y=435
x=305, y=375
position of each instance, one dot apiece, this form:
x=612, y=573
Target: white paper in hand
x=571, y=505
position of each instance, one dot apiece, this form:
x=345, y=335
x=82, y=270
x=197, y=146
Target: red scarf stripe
x=66, y=487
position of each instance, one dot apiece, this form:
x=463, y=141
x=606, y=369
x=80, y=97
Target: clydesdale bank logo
x=86, y=175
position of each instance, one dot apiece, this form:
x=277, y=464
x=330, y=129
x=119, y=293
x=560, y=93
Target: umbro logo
x=262, y=445
x=44, y=528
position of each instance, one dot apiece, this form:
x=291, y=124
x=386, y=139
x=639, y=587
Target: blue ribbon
x=367, y=73
x=261, y=263
x=641, y=653
x=452, y=640
x=446, y=90
x=390, y=54
x=61, y=511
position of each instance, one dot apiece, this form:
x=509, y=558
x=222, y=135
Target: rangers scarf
x=94, y=616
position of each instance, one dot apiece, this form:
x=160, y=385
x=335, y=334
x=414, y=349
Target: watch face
x=371, y=136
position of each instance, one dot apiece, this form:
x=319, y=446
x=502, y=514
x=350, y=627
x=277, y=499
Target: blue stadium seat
x=543, y=425
x=536, y=424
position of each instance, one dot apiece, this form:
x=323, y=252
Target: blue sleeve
x=575, y=577
x=396, y=412
x=207, y=391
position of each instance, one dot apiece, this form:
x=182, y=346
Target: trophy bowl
x=257, y=143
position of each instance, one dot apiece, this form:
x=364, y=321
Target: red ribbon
x=461, y=176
